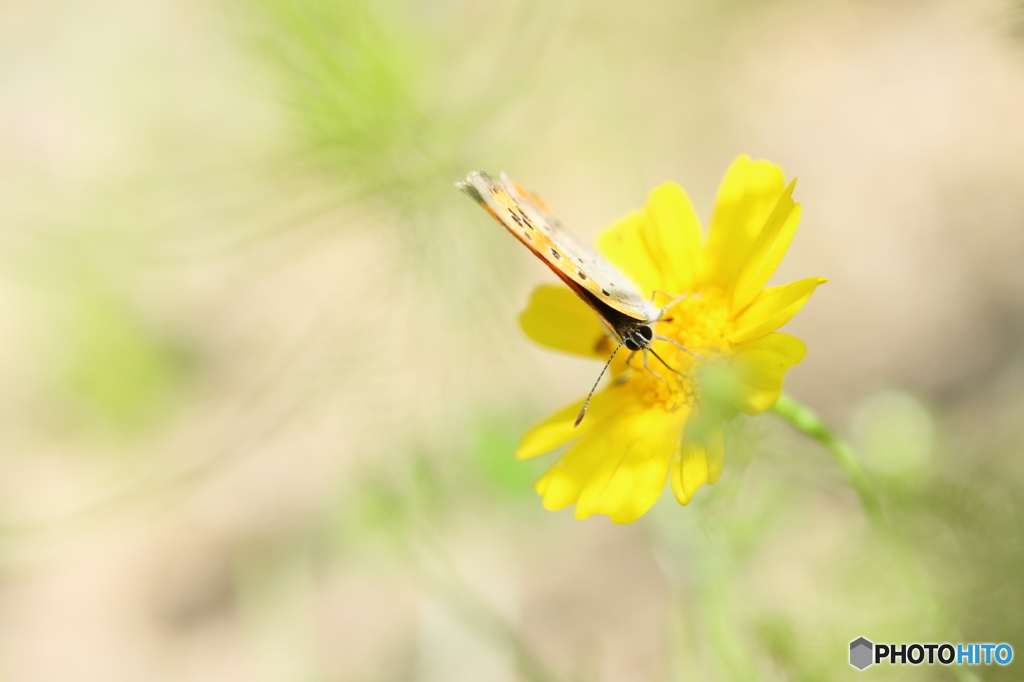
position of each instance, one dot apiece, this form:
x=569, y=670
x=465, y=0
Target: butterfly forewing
x=593, y=278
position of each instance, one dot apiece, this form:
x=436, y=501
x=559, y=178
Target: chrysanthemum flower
x=646, y=427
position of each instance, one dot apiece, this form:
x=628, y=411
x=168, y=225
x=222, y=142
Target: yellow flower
x=646, y=426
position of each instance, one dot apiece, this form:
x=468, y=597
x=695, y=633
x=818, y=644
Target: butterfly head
x=638, y=338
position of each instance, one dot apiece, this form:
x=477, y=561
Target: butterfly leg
x=680, y=346
x=652, y=371
x=671, y=301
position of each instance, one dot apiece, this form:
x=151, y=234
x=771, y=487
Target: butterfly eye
x=645, y=332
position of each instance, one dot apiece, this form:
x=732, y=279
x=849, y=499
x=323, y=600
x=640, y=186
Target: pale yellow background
x=260, y=376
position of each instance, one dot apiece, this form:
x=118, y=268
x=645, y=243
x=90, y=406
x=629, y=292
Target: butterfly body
x=617, y=302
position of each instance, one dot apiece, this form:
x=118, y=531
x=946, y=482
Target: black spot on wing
x=557, y=255
x=521, y=219
x=582, y=275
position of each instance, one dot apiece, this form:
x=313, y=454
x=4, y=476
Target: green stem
x=807, y=420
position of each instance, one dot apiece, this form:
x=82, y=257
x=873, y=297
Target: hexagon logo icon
x=861, y=653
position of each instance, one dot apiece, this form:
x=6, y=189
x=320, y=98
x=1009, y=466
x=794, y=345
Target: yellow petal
x=673, y=237
x=619, y=468
x=772, y=308
x=560, y=486
x=760, y=368
x=556, y=317
x=550, y=434
x=768, y=249
x=625, y=247
x=661, y=247
x=748, y=194
x=629, y=482
x=559, y=429
x=698, y=459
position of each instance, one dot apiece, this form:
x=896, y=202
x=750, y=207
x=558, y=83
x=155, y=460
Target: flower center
x=697, y=325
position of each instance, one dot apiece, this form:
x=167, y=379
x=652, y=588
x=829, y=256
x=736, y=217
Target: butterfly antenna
x=604, y=369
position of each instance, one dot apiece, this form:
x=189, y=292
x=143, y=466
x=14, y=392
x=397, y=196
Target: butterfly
x=616, y=300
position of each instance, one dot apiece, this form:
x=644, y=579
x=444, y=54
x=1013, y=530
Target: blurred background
x=261, y=377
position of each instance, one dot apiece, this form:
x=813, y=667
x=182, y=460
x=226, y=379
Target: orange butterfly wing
x=530, y=220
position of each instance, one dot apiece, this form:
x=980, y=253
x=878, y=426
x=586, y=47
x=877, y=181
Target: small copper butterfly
x=616, y=300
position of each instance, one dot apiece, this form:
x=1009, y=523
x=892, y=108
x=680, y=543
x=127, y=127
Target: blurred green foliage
x=350, y=80
x=124, y=374
x=375, y=93
x=494, y=442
